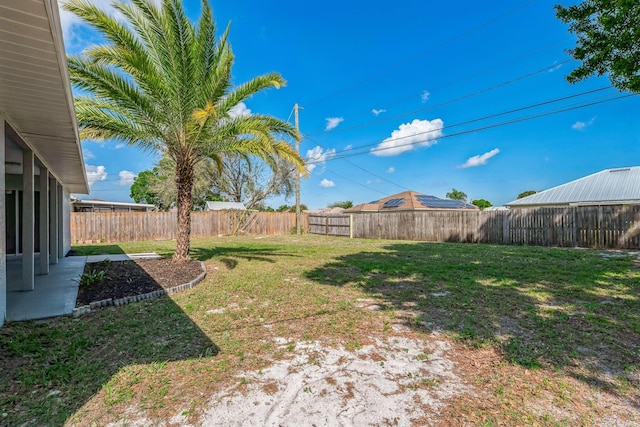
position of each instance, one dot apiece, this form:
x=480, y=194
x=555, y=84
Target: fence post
x=351, y=226
x=574, y=238
x=326, y=225
x=600, y=233
x=506, y=223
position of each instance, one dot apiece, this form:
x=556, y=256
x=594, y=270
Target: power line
x=363, y=169
x=487, y=117
x=480, y=72
x=355, y=182
x=442, y=104
x=423, y=53
x=350, y=153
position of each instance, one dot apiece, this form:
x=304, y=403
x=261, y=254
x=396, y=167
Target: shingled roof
x=410, y=201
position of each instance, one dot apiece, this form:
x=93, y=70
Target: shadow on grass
x=52, y=369
x=566, y=308
x=231, y=255
x=85, y=250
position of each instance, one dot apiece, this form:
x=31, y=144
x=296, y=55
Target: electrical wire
x=365, y=170
x=351, y=153
x=355, y=182
x=421, y=54
x=442, y=104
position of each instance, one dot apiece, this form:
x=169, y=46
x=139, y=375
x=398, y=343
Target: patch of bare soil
x=135, y=277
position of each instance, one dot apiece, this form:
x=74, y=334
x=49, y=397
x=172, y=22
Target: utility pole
x=295, y=109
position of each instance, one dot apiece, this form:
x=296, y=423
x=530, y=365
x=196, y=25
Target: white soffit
x=35, y=92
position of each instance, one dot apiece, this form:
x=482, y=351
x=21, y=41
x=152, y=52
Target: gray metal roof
x=223, y=206
x=610, y=186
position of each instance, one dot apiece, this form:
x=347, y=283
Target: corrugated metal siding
x=610, y=185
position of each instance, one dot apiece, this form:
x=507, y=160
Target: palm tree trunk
x=184, y=185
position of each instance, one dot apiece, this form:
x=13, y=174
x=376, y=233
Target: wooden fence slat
x=606, y=227
x=111, y=227
x=585, y=226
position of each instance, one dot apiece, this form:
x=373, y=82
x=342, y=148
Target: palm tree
x=163, y=84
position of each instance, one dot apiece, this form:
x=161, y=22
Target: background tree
x=163, y=83
x=142, y=189
x=157, y=186
x=481, y=203
x=250, y=182
x=526, y=193
x=456, y=195
x=608, y=42
x=344, y=205
x=292, y=208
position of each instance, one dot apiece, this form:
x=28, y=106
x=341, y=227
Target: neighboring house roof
x=496, y=208
x=224, y=206
x=35, y=93
x=608, y=187
x=410, y=201
x=326, y=211
x=93, y=205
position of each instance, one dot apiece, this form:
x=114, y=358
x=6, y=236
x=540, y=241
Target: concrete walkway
x=54, y=294
x=121, y=257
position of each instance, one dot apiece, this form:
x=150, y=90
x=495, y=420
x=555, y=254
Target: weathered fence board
x=89, y=227
x=583, y=226
x=329, y=225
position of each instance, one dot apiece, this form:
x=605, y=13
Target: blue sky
x=428, y=86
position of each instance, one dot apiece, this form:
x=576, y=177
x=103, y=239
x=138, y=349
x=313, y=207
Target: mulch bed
x=135, y=277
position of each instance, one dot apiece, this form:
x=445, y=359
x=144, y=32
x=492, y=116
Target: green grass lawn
x=567, y=319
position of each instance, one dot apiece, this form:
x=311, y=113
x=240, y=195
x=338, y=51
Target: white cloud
x=126, y=178
x=480, y=159
x=333, y=122
x=555, y=67
x=317, y=156
x=418, y=133
x=378, y=112
x=391, y=170
x=120, y=145
x=239, y=110
x=582, y=125
x=87, y=154
x=326, y=183
x=424, y=97
x=348, y=147
x=71, y=24
x=95, y=174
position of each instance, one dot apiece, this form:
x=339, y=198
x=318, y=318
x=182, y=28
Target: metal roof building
x=93, y=205
x=410, y=201
x=225, y=206
x=609, y=187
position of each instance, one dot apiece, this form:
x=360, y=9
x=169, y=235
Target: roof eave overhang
x=35, y=89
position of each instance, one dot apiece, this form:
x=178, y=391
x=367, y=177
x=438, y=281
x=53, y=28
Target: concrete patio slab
x=54, y=294
x=122, y=257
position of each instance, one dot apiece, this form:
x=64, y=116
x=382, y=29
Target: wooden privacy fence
x=329, y=225
x=91, y=227
x=583, y=226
